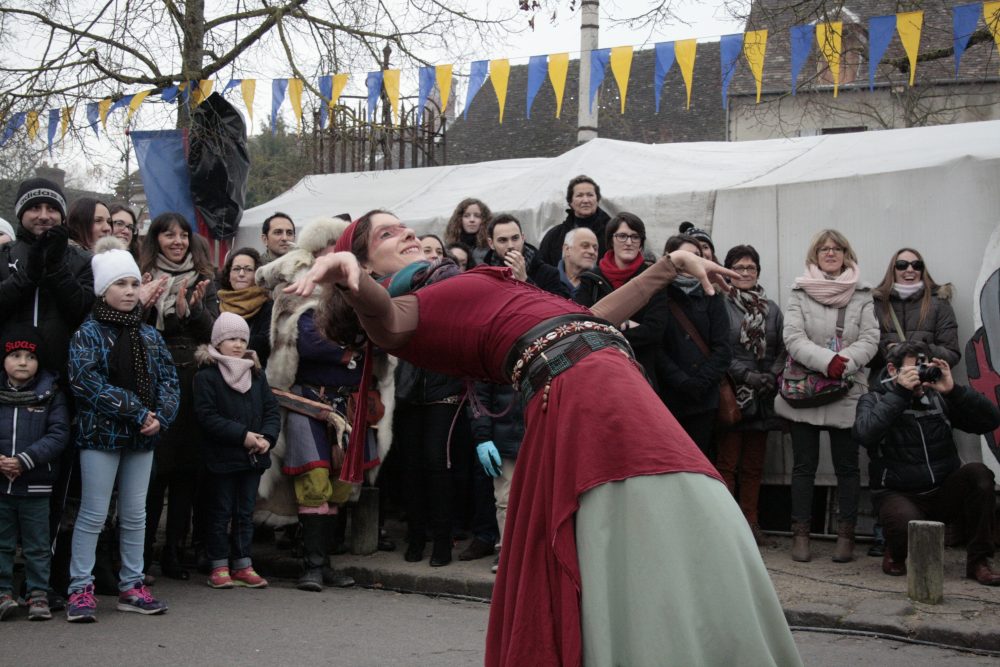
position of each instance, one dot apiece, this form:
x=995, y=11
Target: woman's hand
x=181, y=305
x=339, y=269
x=198, y=294
x=151, y=290
x=706, y=271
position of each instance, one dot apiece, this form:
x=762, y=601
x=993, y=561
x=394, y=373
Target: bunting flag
x=103, y=107
x=120, y=103
x=685, y=51
x=13, y=125
x=621, y=66
x=802, y=44
x=477, y=76
x=991, y=13
x=295, y=97
x=169, y=94
x=31, y=122
x=829, y=37
x=730, y=48
x=443, y=75
x=664, y=52
x=909, y=26
x=67, y=115
x=754, y=48
x=558, y=67
x=134, y=105
x=278, y=88
x=53, y=126
x=184, y=90
x=339, y=83
x=232, y=84
x=537, y=68
x=964, y=20
x=325, y=85
x=425, y=81
x=598, y=64
x=499, y=76
x=390, y=80
x=248, y=87
x=201, y=92
x=880, y=30
x=93, y=118
x=373, y=82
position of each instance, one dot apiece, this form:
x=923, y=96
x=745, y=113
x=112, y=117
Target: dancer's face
x=391, y=245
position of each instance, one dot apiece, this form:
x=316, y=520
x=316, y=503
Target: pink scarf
x=834, y=292
x=236, y=372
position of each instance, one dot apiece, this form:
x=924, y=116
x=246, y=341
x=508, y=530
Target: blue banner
x=232, y=84
x=477, y=76
x=54, y=119
x=123, y=102
x=599, y=59
x=964, y=18
x=15, y=123
x=538, y=68
x=730, y=48
x=374, y=83
x=664, y=61
x=278, y=88
x=164, y=169
x=428, y=77
x=880, y=31
x=326, y=91
x=802, y=42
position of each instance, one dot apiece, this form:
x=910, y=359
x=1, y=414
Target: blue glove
x=489, y=457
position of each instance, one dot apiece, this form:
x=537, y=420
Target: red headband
x=346, y=239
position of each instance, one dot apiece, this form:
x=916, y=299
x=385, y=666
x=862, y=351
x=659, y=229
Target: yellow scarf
x=245, y=302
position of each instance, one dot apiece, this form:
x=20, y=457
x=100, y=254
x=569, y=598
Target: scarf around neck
x=236, y=372
x=127, y=364
x=690, y=285
x=245, y=302
x=833, y=291
x=905, y=291
x=753, y=304
x=617, y=276
x=178, y=273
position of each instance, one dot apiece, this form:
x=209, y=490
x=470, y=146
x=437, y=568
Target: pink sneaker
x=219, y=578
x=249, y=578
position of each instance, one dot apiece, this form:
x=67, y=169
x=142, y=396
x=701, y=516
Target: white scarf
x=906, y=290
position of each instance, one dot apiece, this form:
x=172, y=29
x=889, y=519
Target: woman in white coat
x=831, y=282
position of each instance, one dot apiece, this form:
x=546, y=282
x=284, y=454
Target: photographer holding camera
x=905, y=422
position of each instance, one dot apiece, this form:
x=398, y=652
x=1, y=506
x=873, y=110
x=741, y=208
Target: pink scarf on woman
x=835, y=292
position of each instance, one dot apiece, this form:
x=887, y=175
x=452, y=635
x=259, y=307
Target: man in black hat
x=44, y=281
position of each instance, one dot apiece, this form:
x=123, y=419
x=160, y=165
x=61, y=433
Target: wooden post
x=364, y=523
x=925, y=561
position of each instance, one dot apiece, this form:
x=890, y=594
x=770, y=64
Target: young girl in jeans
x=126, y=391
x=239, y=414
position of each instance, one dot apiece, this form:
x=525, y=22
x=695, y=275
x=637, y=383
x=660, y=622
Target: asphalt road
x=283, y=626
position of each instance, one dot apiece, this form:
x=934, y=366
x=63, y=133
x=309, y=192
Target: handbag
x=802, y=387
x=729, y=408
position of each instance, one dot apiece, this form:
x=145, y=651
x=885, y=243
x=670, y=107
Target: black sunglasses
x=917, y=264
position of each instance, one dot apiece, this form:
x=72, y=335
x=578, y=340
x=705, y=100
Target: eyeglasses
x=830, y=250
x=917, y=264
x=622, y=237
x=121, y=224
x=748, y=269
x=242, y=269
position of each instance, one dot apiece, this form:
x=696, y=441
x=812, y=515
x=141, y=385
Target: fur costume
x=276, y=505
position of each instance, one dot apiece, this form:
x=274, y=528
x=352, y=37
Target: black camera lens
x=928, y=373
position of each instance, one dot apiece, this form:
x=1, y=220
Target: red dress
x=603, y=423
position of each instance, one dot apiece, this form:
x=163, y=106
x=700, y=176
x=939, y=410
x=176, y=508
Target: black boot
x=441, y=555
x=314, y=548
x=170, y=564
x=338, y=541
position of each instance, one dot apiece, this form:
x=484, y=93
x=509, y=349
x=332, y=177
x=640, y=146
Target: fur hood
x=203, y=358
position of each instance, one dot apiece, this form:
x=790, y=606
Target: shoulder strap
x=689, y=327
x=841, y=316
x=895, y=323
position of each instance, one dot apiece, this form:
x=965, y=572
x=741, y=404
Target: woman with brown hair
x=88, y=220
x=468, y=224
x=125, y=226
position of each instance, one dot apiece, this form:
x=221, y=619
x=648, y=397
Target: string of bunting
x=752, y=46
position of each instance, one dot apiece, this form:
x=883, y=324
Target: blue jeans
x=30, y=515
x=98, y=470
x=230, y=511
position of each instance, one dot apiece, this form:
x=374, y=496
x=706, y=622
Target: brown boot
x=800, y=542
x=844, y=551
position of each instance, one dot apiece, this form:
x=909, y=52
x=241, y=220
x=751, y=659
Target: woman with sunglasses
x=910, y=306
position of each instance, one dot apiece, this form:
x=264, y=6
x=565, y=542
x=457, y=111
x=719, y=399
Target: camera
x=926, y=372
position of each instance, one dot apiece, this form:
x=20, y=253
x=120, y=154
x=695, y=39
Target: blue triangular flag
x=93, y=117
x=964, y=18
x=664, y=61
x=538, y=67
x=169, y=94
x=54, y=116
x=477, y=76
x=428, y=77
x=278, y=88
x=802, y=42
x=326, y=91
x=880, y=31
x=374, y=83
x=730, y=48
x=13, y=125
x=598, y=65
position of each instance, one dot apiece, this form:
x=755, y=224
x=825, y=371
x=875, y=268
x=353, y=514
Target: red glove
x=837, y=367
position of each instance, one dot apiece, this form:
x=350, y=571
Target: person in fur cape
x=303, y=481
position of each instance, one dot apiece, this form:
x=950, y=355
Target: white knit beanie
x=6, y=228
x=112, y=262
x=229, y=325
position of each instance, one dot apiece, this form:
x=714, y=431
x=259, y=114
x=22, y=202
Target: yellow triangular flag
x=443, y=75
x=133, y=106
x=204, y=89
x=339, y=83
x=558, y=66
x=754, y=46
x=295, y=98
x=991, y=12
x=685, y=51
x=102, y=110
x=909, y=25
x=828, y=36
x=390, y=81
x=621, y=65
x=67, y=115
x=499, y=76
x=247, y=88
x=31, y=122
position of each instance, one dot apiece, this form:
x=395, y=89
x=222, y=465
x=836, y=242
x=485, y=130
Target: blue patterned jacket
x=109, y=417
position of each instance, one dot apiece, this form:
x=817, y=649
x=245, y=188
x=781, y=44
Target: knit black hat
x=38, y=191
x=21, y=337
x=700, y=234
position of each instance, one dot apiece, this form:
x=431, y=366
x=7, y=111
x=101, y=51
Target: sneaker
x=332, y=578
x=82, y=606
x=140, y=600
x=38, y=607
x=219, y=578
x=7, y=605
x=248, y=578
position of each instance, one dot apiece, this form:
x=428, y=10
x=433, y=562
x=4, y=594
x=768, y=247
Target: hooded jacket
x=550, y=249
x=34, y=427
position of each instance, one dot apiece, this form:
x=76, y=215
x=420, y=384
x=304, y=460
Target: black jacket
x=34, y=427
x=226, y=416
x=415, y=385
x=57, y=303
x=540, y=274
x=910, y=441
x=689, y=382
x=551, y=246
x=260, y=332
x=645, y=339
x=506, y=431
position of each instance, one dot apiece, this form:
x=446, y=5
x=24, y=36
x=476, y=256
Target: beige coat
x=809, y=327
